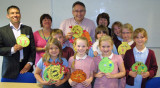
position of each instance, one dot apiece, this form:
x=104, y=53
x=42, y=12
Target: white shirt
x=110, y=57
x=81, y=58
x=130, y=43
x=17, y=33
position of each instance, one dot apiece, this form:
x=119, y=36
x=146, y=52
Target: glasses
x=81, y=11
x=126, y=32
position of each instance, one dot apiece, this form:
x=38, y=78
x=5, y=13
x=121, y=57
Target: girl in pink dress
x=108, y=80
x=82, y=61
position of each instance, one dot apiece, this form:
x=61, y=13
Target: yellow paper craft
x=53, y=72
x=23, y=40
x=123, y=48
x=77, y=31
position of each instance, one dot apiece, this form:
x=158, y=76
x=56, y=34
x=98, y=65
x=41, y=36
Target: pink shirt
x=105, y=82
x=87, y=65
x=86, y=24
x=39, y=42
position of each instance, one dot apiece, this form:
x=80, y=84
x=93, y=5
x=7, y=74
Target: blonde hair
x=128, y=27
x=140, y=30
x=99, y=29
x=106, y=38
x=74, y=46
x=50, y=42
x=119, y=24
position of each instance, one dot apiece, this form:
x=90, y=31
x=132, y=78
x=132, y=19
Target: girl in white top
x=100, y=31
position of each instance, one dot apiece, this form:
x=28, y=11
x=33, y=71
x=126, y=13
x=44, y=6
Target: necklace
x=45, y=37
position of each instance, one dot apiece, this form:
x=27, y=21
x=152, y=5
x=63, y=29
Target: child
x=108, y=80
x=141, y=54
x=127, y=34
x=116, y=28
x=67, y=52
x=81, y=61
x=53, y=53
x=100, y=31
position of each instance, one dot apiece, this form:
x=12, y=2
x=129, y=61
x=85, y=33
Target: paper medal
x=106, y=65
x=139, y=67
x=23, y=40
x=78, y=76
x=123, y=48
x=53, y=72
x=77, y=31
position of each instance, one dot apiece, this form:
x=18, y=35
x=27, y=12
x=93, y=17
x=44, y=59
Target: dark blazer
x=11, y=66
x=151, y=64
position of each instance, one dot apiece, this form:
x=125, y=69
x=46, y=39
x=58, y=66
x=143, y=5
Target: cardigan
x=151, y=64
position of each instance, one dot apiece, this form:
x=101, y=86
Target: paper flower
x=79, y=32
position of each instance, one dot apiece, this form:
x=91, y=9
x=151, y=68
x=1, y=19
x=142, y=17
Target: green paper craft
x=23, y=40
x=106, y=65
x=77, y=31
x=139, y=67
x=52, y=72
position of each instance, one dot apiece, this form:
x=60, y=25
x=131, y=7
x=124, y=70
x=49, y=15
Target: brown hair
x=56, y=31
x=140, y=30
x=99, y=29
x=119, y=24
x=103, y=15
x=128, y=26
x=50, y=42
x=43, y=17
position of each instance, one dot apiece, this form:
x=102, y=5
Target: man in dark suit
x=16, y=59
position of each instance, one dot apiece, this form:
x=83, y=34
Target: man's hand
x=26, y=68
x=17, y=47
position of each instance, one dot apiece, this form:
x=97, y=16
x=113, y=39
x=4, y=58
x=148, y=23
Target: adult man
x=78, y=11
x=16, y=59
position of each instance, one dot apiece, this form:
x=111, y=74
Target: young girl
x=116, y=29
x=53, y=53
x=81, y=61
x=108, y=80
x=100, y=31
x=67, y=52
x=127, y=34
x=141, y=54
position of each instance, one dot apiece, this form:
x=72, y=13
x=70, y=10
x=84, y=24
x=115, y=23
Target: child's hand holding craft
x=133, y=74
x=99, y=74
x=58, y=82
x=69, y=35
x=87, y=82
x=72, y=83
x=109, y=75
x=145, y=74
